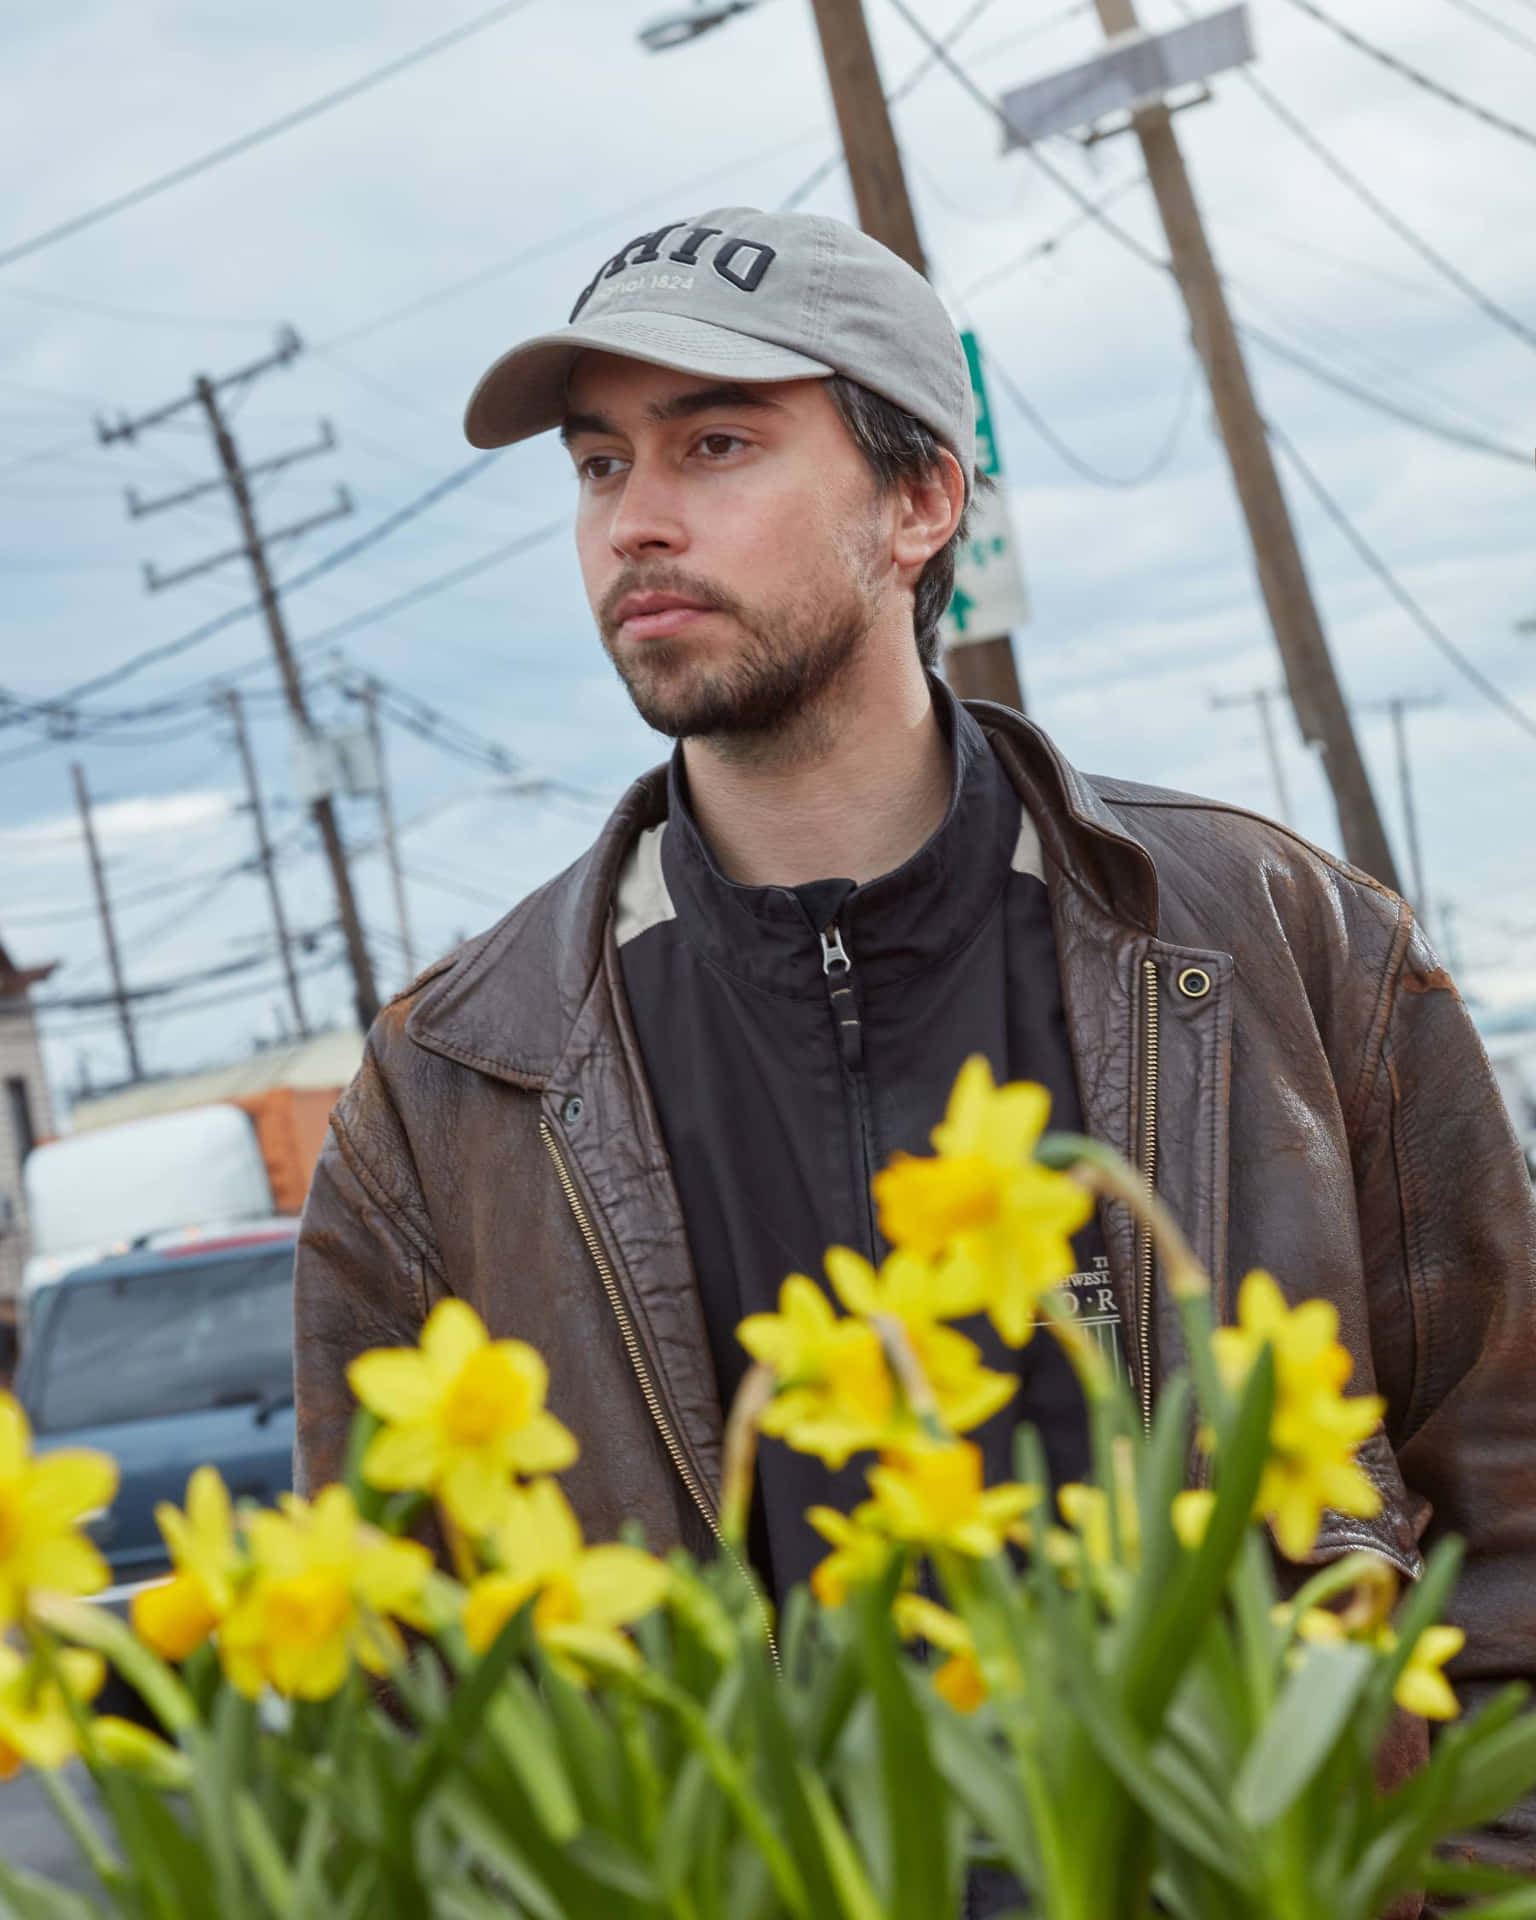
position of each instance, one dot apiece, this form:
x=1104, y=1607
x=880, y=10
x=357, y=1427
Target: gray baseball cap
x=738, y=294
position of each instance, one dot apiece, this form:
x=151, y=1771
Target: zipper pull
x=837, y=965
x=833, y=952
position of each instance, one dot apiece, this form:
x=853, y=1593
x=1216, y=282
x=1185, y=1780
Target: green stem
x=66, y=1803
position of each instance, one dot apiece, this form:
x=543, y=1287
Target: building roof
x=15, y=980
x=324, y=1060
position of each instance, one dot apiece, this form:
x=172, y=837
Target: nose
x=648, y=519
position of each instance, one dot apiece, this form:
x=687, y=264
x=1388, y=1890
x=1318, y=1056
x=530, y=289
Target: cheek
x=594, y=552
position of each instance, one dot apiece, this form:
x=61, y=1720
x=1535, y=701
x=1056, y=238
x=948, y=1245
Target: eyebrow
x=682, y=406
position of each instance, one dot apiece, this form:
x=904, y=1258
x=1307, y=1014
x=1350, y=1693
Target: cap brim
x=524, y=392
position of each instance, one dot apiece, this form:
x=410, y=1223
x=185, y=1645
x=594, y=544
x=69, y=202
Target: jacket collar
x=897, y=925
x=506, y=1002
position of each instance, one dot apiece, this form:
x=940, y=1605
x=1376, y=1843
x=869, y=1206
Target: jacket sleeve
x=1446, y=1207
x=364, y=1268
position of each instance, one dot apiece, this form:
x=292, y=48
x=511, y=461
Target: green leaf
x=264, y=1858
x=489, y=1836
x=1494, y=1773
x=516, y=1721
x=1166, y=1621
x=979, y=1776
x=922, y=1880
x=1313, y=1710
x=609, y=1862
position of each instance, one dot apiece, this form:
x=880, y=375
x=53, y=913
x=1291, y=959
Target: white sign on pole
x=990, y=598
x=1133, y=69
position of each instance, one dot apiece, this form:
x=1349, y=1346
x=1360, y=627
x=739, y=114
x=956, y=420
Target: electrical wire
x=1407, y=72
x=258, y=135
x=1053, y=173
x=1454, y=436
x=1048, y=433
x=603, y=224
x=438, y=584
x=1488, y=688
x=1409, y=235
x=18, y=709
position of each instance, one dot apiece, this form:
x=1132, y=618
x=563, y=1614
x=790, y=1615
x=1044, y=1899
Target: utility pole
x=108, y=932
x=1399, y=707
x=235, y=707
x=253, y=548
x=1310, y=676
x=984, y=669
x=369, y=695
x=1261, y=698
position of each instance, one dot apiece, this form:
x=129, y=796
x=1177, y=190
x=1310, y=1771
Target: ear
x=928, y=510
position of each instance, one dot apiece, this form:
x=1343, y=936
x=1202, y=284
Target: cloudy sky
x=416, y=231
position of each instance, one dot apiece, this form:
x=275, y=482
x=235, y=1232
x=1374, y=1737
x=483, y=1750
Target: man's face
x=733, y=543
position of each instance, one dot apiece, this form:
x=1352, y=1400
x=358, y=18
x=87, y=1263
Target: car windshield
x=178, y=1339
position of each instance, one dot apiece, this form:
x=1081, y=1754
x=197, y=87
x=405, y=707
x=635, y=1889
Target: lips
x=656, y=616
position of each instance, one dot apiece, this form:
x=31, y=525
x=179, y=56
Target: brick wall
x=20, y=1061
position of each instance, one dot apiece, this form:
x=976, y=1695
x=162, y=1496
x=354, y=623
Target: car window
x=176, y=1339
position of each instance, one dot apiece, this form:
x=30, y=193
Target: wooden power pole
x=235, y=707
x=253, y=548
x=985, y=669
x=108, y=931
x=369, y=695
x=1311, y=680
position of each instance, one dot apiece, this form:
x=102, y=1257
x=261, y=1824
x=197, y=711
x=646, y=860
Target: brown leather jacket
x=1263, y=1026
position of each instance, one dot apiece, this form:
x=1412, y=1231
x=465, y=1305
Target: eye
x=598, y=466
x=718, y=445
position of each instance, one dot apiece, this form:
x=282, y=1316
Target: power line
x=1422, y=80
x=18, y=709
x=1438, y=638
x=601, y=224
x=1455, y=436
x=1080, y=466
x=1090, y=208
x=438, y=584
x=136, y=195
x=1409, y=235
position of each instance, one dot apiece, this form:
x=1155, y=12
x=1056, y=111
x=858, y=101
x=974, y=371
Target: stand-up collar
x=899, y=924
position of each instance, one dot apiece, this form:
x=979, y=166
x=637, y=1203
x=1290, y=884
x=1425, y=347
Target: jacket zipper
x=1149, y=1179
x=842, y=997
x=642, y=1372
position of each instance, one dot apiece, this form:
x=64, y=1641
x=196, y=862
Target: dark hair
x=897, y=447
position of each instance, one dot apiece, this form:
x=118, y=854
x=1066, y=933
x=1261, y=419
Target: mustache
x=691, y=586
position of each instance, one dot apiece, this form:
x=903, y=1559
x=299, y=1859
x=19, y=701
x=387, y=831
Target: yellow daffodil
x=175, y=1616
x=921, y=1296
x=43, y=1500
x=959, y=1679
x=859, y=1555
x=836, y=1394
x=998, y=1225
x=933, y=1496
x=1191, y=1514
x=1422, y=1687
x=1315, y=1430
x=1086, y=1512
x=36, y=1727
x=582, y=1596
x=326, y=1589
x=463, y=1414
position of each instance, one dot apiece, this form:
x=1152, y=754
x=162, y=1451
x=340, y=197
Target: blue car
x=166, y=1360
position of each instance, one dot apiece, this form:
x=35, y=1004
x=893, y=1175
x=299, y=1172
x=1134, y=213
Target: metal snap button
x=1194, y=983
x=570, y=1113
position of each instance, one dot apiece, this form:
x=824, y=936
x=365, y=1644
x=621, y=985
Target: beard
x=770, y=688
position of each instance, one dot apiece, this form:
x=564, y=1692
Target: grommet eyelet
x=570, y=1113
x=1194, y=983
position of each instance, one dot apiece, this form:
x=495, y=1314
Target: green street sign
x=986, y=441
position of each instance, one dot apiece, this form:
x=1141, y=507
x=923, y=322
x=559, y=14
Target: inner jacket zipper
x=642, y=1372
x=842, y=997
x=1144, y=1259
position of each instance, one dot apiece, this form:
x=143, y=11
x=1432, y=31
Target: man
x=616, y=1121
